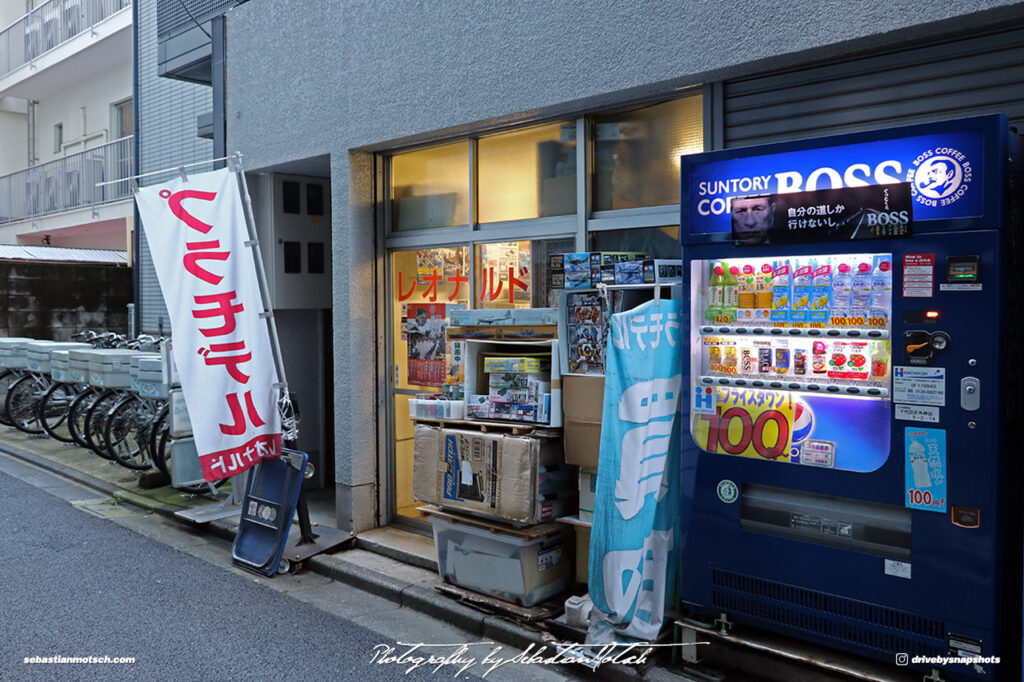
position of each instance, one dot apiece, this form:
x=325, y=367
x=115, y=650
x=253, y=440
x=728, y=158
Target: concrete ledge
x=425, y=599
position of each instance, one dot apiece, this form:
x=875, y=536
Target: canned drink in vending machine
x=799, y=361
x=782, y=358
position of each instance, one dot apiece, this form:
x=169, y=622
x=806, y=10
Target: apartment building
x=67, y=123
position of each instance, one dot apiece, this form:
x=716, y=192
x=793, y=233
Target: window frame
x=578, y=226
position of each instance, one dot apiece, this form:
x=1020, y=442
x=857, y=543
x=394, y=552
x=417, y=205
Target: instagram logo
x=901, y=659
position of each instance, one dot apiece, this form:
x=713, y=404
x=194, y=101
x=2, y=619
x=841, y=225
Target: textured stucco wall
x=313, y=78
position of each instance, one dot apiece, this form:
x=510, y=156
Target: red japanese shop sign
x=197, y=237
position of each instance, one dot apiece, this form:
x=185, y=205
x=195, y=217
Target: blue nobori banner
x=946, y=166
x=634, y=537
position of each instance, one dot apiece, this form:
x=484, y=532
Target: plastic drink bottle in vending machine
x=782, y=295
x=802, y=291
x=881, y=288
x=716, y=289
x=880, y=361
x=762, y=287
x=842, y=283
x=860, y=294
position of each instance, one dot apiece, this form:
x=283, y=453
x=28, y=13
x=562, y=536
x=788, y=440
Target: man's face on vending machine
x=751, y=219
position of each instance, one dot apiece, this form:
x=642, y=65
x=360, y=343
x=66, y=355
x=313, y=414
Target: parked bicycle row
x=105, y=393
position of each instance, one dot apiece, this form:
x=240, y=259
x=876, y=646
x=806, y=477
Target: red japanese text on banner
x=197, y=237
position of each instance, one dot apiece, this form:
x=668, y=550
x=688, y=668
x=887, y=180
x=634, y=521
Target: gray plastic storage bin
x=59, y=366
x=12, y=352
x=147, y=376
x=78, y=365
x=111, y=368
x=38, y=354
x=507, y=565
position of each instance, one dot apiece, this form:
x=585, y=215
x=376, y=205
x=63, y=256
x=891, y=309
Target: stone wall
x=56, y=300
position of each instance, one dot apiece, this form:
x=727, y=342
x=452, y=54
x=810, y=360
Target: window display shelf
x=828, y=333
x=538, y=429
x=783, y=384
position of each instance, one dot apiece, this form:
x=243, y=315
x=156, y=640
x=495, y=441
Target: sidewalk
x=401, y=583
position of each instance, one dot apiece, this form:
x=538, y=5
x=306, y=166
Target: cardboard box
x=582, y=405
x=516, y=479
x=587, y=492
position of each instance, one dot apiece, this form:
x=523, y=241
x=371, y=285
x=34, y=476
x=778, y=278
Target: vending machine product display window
x=791, y=351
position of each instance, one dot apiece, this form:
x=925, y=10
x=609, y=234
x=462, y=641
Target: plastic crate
x=509, y=566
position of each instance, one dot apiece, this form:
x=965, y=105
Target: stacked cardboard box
x=496, y=496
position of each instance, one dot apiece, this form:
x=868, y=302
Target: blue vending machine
x=853, y=458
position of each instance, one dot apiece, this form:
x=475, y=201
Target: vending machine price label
x=925, y=469
x=920, y=385
x=747, y=422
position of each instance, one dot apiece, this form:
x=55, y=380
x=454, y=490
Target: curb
x=421, y=597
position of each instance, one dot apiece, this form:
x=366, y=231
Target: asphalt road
x=86, y=577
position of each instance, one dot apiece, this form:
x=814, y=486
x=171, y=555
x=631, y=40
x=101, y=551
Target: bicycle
x=23, y=399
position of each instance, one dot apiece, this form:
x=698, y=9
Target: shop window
x=527, y=173
x=430, y=187
x=659, y=242
x=637, y=152
x=426, y=285
x=517, y=274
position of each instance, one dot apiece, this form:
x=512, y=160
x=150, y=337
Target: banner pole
x=291, y=430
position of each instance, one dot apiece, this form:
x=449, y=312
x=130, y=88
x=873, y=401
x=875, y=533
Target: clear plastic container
x=436, y=409
x=508, y=566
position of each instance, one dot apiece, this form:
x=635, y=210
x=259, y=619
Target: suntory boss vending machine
x=853, y=459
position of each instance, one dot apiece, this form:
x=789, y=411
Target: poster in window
x=429, y=262
x=425, y=327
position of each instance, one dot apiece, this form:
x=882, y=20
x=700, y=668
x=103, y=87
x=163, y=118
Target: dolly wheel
x=284, y=567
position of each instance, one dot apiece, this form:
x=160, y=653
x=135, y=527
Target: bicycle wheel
x=7, y=378
x=54, y=409
x=96, y=421
x=158, y=435
x=122, y=436
x=77, y=413
x=22, y=402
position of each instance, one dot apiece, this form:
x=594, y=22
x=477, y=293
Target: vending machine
x=853, y=458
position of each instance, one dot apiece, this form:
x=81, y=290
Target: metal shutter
x=167, y=138
x=964, y=77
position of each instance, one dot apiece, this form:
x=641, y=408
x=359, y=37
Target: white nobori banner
x=197, y=237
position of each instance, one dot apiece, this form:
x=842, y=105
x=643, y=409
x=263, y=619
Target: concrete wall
x=96, y=94
x=307, y=79
x=14, y=145
x=10, y=12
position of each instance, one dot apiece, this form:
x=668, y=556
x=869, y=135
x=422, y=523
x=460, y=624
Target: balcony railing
x=68, y=183
x=47, y=26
